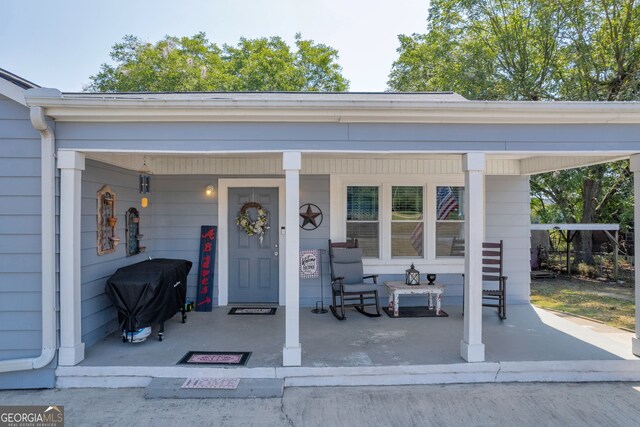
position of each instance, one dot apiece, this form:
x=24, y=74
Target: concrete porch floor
x=530, y=340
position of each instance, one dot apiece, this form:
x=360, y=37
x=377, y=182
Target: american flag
x=447, y=202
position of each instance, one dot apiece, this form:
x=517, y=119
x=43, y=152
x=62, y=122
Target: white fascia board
x=196, y=107
x=12, y=92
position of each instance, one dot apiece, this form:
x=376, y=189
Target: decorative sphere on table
x=431, y=278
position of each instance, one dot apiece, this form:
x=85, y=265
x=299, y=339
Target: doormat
x=415, y=312
x=221, y=383
x=253, y=310
x=215, y=358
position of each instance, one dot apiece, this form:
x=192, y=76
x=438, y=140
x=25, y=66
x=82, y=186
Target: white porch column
x=292, y=352
x=471, y=346
x=635, y=168
x=71, y=165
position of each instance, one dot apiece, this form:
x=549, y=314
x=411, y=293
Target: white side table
x=400, y=288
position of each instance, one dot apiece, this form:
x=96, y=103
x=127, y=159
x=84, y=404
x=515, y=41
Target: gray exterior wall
x=99, y=317
x=20, y=246
x=315, y=189
x=180, y=208
x=177, y=209
x=341, y=136
x=508, y=218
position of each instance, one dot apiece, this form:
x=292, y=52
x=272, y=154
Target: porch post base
x=292, y=356
x=635, y=346
x=472, y=352
x=71, y=356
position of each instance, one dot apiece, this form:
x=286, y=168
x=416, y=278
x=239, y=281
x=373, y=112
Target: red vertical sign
x=205, y=271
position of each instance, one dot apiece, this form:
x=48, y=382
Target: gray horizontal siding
x=99, y=317
x=20, y=242
x=14, y=225
x=180, y=209
x=507, y=218
x=347, y=137
x=315, y=189
x=24, y=321
x=202, y=131
x=25, y=301
x=13, y=207
x=20, y=246
x=20, y=282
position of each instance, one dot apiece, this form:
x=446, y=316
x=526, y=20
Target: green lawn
x=608, y=303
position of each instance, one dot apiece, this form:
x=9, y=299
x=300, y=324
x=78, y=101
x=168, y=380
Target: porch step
x=170, y=388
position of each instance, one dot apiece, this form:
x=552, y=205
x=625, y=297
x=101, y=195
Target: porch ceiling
x=347, y=163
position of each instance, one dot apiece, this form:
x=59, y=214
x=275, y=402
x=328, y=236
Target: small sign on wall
x=204, y=300
x=309, y=264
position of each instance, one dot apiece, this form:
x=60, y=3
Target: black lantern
x=412, y=276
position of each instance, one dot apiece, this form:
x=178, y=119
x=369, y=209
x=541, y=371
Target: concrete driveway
x=539, y=404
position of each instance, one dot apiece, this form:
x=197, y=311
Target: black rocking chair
x=347, y=281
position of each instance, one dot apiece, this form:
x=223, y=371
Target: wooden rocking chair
x=492, y=272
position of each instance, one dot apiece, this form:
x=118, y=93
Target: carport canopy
x=566, y=232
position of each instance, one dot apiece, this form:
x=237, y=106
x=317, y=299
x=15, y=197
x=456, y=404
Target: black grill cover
x=145, y=293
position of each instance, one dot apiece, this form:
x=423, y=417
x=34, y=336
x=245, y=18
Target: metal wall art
x=133, y=232
x=311, y=216
x=107, y=220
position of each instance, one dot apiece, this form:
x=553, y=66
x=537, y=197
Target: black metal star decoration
x=311, y=216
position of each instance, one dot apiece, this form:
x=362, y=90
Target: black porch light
x=412, y=276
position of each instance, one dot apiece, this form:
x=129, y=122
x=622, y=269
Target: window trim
x=378, y=221
x=424, y=221
x=386, y=264
x=437, y=221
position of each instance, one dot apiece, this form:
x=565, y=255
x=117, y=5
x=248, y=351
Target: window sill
x=398, y=266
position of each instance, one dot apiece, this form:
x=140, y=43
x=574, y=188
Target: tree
x=525, y=50
x=536, y=50
x=194, y=64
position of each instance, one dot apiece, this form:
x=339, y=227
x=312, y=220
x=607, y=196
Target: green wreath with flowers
x=258, y=226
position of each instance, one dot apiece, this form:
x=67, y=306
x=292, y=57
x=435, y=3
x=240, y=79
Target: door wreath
x=258, y=226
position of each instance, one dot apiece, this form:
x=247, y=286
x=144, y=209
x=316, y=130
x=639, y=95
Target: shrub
x=587, y=270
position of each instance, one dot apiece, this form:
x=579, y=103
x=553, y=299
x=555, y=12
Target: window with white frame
x=363, y=222
x=407, y=221
x=399, y=219
x=449, y=211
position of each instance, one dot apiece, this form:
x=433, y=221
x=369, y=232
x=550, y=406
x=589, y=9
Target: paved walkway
x=591, y=404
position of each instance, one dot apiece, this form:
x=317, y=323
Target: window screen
x=363, y=219
x=449, y=221
x=407, y=222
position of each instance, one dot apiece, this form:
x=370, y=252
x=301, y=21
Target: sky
x=60, y=43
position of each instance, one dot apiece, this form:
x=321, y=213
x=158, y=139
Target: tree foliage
x=525, y=50
x=537, y=50
x=195, y=64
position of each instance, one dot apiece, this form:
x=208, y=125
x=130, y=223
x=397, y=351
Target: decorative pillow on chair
x=347, y=263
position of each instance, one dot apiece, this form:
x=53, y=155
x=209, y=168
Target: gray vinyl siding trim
x=203, y=137
x=20, y=246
